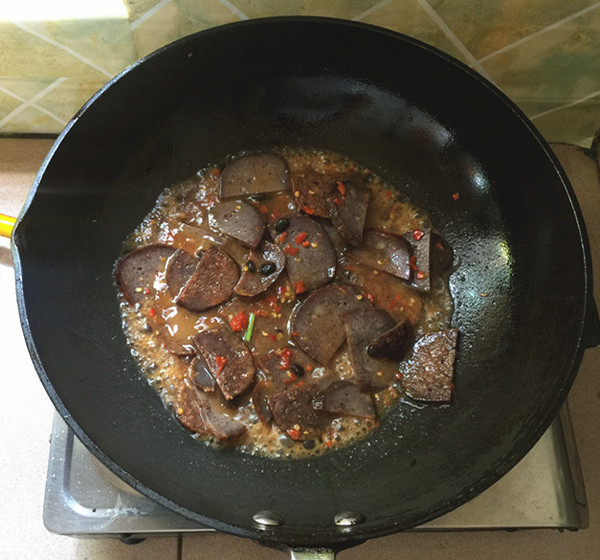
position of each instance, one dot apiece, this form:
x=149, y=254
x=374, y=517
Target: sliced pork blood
x=362, y=326
x=260, y=401
x=284, y=366
x=420, y=243
x=188, y=411
x=348, y=210
x=261, y=270
x=136, y=271
x=388, y=292
x=317, y=325
x=228, y=361
x=393, y=343
x=212, y=282
x=428, y=374
x=384, y=251
x=218, y=423
x=313, y=191
x=294, y=414
x=180, y=268
x=239, y=220
x=200, y=375
x=310, y=258
x=344, y=397
x=253, y=174
x=442, y=255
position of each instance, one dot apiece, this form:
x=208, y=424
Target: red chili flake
x=301, y=237
x=341, y=188
x=299, y=287
x=349, y=267
x=337, y=202
x=329, y=441
x=277, y=308
x=280, y=290
x=275, y=215
x=263, y=209
x=438, y=245
x=271, y=300
x=392, y=305
x=291, y=250
x=146, y=291
x=308, y=367
x=152, y=312
x=305, y=244
x=455, y=196
x=399, y=375
x=261, y=313
x=421, y=275
x=294, y=433
x=308, y=210
x=215, y=172
x=369, y=296
x=221, y=361
x=418, y=234
x=413, y=262
x=239, y=322
x=272, y=337
x=281, y=238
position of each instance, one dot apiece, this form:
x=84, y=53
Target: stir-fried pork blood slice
x=348, y=210
x=294, y=414
x=217, y=422
x=384, y=251
x=212, y=282
x=309, y=254
x=393, y=343
x=188, y=411
x=428, y=374
x=389, y=293
x=362, y=326
x=180, y=268
x=136, y=271
x=200, y=375
x=317, y=325
x=420, y=243
x=228, y=361
x=255, y=281
x=344, y=397
x=253, y=174
x=239, y=220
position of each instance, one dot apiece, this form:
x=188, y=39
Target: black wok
x=423, y=121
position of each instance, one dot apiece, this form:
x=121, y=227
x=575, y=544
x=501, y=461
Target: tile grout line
x=148, y=14
x=372, y=9
x=550, y=27
x=454, y=39
x=234, y=9
x=567, y=105
x=63, y=47
x=32, y=103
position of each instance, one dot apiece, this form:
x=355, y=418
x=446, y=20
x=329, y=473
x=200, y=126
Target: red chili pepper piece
x=337, y=202
x=286, y=358
x=341, y=188
x=301, y=237
x=308, y=210
x=272, y=337
x=421, y=275
x=413, y=262
x=291, y=250
x=294, y=433
x=281, y=238
x=369, y=296
x=275, y=215
x=221, y=361
x=455, y=196
x=418, y=234
x=299, y=287
x=263, y=209
x=147, y=291
x=152, y=312
x=239, y=322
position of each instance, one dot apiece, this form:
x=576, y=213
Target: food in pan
x=281, y=303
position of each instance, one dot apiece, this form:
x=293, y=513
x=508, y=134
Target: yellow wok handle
x=7, y=223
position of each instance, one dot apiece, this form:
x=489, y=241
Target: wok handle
x=7, y=223
x=312, y=554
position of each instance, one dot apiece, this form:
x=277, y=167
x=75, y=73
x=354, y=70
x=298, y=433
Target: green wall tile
x=485, y=26
x=332, y=8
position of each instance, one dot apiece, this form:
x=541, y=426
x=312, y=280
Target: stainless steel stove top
x=84, y=498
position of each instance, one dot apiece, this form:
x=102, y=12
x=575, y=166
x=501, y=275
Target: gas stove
x=83, y=498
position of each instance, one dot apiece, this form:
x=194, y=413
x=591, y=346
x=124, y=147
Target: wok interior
x=418, y=120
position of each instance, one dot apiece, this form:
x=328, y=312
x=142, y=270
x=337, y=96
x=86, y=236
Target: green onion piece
x=248, y=334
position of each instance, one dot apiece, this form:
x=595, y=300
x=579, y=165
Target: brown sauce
x=181, y=218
